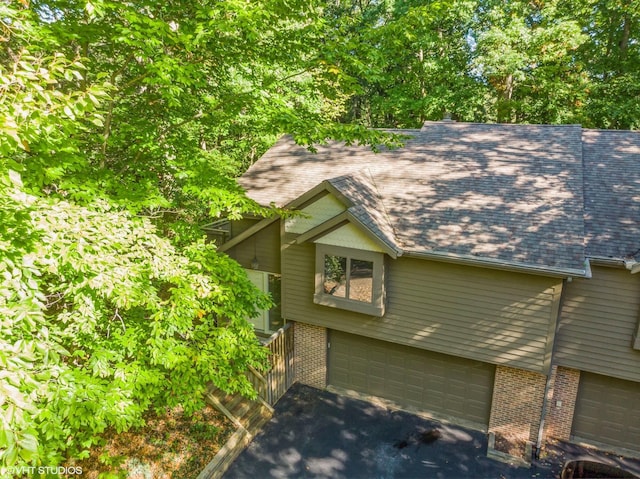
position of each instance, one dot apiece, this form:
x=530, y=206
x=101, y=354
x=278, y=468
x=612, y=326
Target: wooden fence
x=272, y=386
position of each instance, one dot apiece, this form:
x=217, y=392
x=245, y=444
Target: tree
x=490, y=60
x=412, y=61
x=100, y=318
x=122, y=125
x=611, y=58
x=526, y=55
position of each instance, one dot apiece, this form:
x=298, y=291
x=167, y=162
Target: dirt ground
x=172, y=446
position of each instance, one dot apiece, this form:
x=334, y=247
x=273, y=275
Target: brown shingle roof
x=501, y=192
x=368, y=207
x=612, y=193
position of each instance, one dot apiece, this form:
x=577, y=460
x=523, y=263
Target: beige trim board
x=311, y=196
x=337, y=222
x=492, y=263
x=323, y=228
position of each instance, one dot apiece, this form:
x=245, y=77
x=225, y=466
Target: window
x=275, y=313
x=350, y=279
x=270, y=320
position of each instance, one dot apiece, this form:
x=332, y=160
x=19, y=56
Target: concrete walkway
x=317, y=434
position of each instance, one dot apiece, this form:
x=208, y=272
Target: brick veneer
x=560, y=414
x=310, y=343
x=517, y=394
x=517, y=403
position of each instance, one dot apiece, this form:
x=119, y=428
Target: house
x=485, y=274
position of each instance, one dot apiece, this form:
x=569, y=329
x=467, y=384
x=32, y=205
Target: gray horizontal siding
x=598, y=319
x=487, y=315
x=264, y=245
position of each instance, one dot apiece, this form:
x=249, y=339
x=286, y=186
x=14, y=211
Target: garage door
x=442, y=384
x=608, y=411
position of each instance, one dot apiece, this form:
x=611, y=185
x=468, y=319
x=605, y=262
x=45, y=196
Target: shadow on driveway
x=318, y=434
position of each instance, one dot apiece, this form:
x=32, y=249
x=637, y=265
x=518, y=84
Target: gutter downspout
x=543, y=415
x=588, y=275
x=547, y=386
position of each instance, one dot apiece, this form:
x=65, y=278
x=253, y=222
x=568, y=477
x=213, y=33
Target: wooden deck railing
x=281, y=375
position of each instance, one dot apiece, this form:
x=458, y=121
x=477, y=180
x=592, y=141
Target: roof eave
x=390, y=249
x=340, y=220
x=630, y=264
x=502, y=264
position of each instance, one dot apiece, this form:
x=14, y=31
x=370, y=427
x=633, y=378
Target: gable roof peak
x=367, y=205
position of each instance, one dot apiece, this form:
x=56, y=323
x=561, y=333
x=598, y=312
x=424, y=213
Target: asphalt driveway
x=317, y=434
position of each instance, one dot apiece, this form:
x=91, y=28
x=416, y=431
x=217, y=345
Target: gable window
x=350, y=279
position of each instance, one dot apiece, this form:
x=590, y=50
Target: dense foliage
x=102, y=319
x=516, y=61
x=123, y=125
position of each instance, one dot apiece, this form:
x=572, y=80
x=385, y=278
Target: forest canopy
x=123, y=126
x=520, y=61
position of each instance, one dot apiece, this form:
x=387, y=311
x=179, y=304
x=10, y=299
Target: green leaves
x=123, y=126
x=101, y=318
x=123, y=321
x=527, y=54
x=533, y=62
